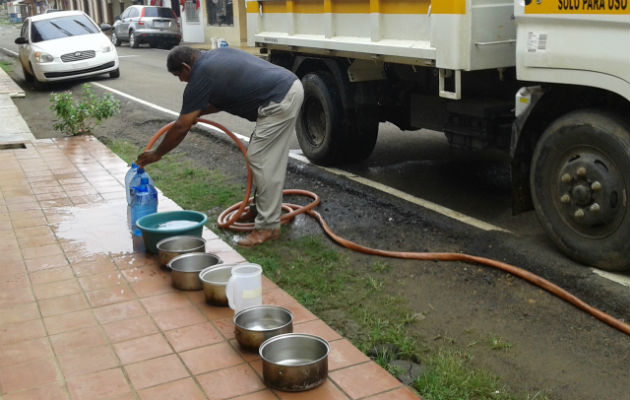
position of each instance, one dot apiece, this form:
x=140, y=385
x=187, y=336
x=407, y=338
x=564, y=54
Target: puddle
x=97, y=228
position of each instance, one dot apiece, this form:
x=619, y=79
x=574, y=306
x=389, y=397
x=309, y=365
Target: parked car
x=65, y=45
x=157, y=26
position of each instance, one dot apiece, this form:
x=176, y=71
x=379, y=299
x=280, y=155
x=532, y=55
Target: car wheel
x=319, y=124
x=115, y=39
x=133, y=42
x=115, y=73
x=27, y=75
x=580, y=183
x=37, y=84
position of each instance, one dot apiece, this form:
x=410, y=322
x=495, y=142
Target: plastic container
x=162, y=225
x=144, y=202
x=128, y=177
x=135, y=181
x=244, y=288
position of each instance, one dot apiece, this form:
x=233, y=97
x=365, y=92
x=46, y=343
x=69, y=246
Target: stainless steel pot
x=254, y=325
x=294, y=362
x=185, y=269
x=172, y=247
x=214, y=280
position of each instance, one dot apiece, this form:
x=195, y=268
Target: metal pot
x=294, y=362
x=185, y=269
x=172, y=247
x=254, y=325
x=214, y=280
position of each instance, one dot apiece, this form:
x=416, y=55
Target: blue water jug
x=128, y=177
x=135, y=181
x=144, y=202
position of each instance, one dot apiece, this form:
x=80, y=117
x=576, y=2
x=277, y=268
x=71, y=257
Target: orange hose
x=228, y=219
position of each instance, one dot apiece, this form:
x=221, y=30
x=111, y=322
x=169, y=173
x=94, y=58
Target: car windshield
x=57, y=28
x=160, y=12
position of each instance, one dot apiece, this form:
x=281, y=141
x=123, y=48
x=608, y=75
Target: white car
x=65, y=45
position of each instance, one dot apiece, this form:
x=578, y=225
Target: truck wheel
x=362, y=134
x=319, y=125
x=580, y=182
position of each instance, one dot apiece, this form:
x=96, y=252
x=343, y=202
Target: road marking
x=619, y=278
x=9, y=52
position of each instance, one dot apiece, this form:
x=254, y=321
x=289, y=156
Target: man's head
x=180, y=61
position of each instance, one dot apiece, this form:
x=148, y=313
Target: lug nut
x=595, y=186
x=566, y=178
x=594, y=207
x=579, y=213
x=581, y=172
x=565, y=198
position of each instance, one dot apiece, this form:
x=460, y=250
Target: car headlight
x=42, y=57
x=106, y=49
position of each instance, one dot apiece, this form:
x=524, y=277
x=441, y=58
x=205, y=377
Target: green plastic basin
x=162, y=225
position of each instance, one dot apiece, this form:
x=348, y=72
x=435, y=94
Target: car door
x=122, y=28
x=25, y=49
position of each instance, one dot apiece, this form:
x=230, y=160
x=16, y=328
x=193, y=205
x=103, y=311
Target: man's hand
x=147, y=158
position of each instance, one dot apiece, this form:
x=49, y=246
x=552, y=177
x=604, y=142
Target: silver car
x=157, y=26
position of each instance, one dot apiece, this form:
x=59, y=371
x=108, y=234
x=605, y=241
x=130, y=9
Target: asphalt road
x=470, y=189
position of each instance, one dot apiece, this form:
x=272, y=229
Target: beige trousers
x=268, y=154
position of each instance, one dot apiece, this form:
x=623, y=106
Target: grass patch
x=6, y=66
x=347, y=294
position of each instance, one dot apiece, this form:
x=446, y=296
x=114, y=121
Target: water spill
x=97, y=228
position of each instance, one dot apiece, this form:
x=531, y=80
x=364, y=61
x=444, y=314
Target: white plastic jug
x=244, y=289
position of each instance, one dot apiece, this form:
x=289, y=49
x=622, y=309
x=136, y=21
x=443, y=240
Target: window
x=192, y=13
x=160, y=12
x=61, y=27
x=220, y=12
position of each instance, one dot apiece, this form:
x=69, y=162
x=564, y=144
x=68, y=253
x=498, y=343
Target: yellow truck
x=547, y=81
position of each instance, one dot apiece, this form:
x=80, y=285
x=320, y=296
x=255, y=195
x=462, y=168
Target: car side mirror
x=106, y=27
x=21, y=40
x=117, y=18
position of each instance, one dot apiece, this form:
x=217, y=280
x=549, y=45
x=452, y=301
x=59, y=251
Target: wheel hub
x=589, y=189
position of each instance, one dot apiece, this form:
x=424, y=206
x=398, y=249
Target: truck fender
x=305, y=64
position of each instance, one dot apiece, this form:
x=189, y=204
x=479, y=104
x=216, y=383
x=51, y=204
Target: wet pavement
x=85, y=313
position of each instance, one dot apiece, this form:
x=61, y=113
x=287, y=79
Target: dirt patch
x=553, y=348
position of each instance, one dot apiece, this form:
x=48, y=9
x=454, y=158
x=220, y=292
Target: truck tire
x=580, y=183
x=319, y=124
x=361, y=134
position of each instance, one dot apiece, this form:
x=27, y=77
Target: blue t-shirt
x=234, y=81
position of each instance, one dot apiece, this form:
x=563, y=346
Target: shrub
x=82, y=116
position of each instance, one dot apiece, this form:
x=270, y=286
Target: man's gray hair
x=180, y=55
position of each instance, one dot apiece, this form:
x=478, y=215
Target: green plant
x=77, y=117
x=6, y=66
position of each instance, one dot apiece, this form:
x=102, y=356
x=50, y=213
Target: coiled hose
x=228, y=219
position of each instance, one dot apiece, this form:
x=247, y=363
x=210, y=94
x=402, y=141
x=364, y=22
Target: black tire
x=319, y=124
x=115, y=39
x=133, y=41
x=115, y=73
x=580, y=184
x=27, y=75
x=37, y=84
x=361, y=134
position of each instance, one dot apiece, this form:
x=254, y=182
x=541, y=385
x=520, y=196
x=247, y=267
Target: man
x=231, y=80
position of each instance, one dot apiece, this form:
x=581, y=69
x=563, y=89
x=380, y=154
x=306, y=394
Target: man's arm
x=172, y=138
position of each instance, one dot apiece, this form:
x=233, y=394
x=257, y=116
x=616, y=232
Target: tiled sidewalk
x=86, y=314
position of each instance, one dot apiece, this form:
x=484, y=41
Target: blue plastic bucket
x=162, y=225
